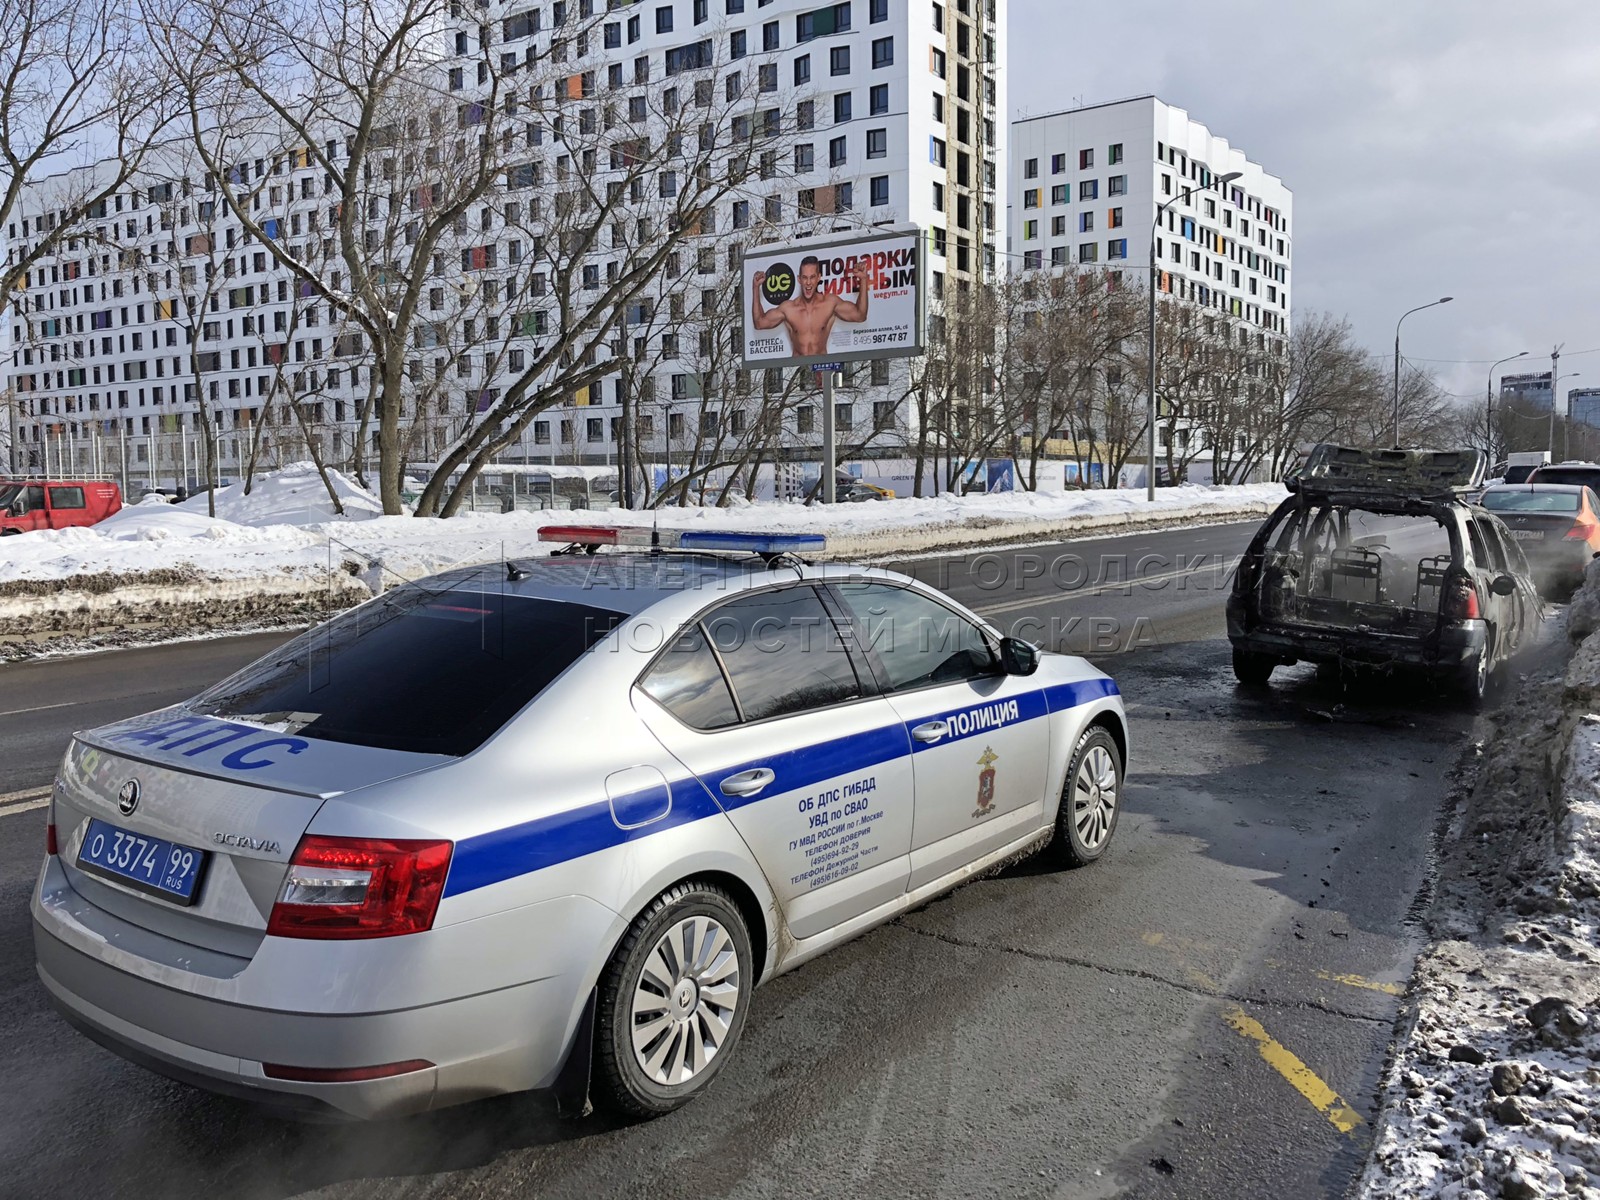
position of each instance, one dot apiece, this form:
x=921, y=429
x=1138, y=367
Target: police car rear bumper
x=504, y=1040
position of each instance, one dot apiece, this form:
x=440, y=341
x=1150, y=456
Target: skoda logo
x=128, y=797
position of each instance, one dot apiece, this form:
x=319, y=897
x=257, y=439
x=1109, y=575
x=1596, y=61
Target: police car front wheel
x=1091, y=800
x=673, y=1001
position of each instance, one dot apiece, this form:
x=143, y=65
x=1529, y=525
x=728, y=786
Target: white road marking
x=14, y=712
x=24, y=801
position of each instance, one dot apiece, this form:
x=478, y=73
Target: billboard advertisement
x=836, y=301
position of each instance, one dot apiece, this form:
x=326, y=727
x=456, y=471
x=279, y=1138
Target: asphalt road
x=1203, y=1013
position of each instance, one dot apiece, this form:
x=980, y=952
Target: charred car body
x=1376, y=560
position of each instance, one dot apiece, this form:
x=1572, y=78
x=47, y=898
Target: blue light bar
x=754, y=543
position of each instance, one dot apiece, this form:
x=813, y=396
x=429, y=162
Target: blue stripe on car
x=547, y=841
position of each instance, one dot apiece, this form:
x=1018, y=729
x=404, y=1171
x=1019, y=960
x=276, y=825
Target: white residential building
x=1086, y=183
x=890, y=111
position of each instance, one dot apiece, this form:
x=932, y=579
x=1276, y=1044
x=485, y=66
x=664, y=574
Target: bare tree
x=76, y=86
x=562, y=186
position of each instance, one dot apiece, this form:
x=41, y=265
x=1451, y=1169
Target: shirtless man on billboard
x=811, y=314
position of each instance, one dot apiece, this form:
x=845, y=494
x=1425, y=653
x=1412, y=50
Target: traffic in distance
x=545, y=825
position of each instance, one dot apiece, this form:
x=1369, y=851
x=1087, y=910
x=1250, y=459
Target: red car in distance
x=35, y=503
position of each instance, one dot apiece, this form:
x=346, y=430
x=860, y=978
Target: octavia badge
x=128, y=797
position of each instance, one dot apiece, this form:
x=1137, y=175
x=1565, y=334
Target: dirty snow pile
x=1495, y=1090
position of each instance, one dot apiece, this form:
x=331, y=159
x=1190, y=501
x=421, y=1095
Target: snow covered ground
x=1495, y=1087
x=287, y=526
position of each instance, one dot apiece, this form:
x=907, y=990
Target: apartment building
x=889, y=110
x=1086, y=185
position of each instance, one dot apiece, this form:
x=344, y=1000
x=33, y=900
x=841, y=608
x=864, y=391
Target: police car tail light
x=340, y=887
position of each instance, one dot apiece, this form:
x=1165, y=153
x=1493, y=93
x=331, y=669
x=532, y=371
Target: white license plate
x=1528, y=535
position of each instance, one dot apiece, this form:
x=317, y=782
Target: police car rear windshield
x=435, y=672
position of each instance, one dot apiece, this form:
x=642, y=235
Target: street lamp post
x=1488, y=417
x=1397, y=324
x=1150, y=405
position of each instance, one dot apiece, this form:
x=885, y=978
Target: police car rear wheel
x=672, y=1001
x=1091, y=800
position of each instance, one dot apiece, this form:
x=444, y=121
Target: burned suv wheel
x=1253, y=670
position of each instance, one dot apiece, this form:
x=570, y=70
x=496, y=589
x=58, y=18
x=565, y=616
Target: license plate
x=1528, y=535
x=150, y=864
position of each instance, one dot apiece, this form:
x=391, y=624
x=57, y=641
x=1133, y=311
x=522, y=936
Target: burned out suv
x=1376, y=561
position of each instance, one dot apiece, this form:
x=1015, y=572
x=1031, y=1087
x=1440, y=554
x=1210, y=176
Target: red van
x=55, y=503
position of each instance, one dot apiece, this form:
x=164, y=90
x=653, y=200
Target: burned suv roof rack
x=1395, y=474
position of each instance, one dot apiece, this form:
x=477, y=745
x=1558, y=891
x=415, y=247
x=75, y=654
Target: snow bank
x=286, y=525
x=148, y=538
x=1495, y=1085
x=295, y=495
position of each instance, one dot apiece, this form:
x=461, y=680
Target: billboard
x=835, y=301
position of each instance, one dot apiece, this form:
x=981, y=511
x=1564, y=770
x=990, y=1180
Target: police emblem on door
x=986, y=783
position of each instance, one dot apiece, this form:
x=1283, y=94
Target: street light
x=1397, y=324
x=1550, y=438
x=1488, y=418
x=1150, y=406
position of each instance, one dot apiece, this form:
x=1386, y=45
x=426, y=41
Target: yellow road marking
x=1305, y=1081
x=1357, y=981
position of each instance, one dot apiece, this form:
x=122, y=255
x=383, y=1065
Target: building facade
x=164, y=308
x=1093, y=188
x=1086, y=184
x=1527, y=393
x=1585, y=406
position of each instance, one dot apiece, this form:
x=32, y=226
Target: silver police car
x=546, y=825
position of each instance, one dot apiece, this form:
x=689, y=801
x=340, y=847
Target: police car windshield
x=436, y=672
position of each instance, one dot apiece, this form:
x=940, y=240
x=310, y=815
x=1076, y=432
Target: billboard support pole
x=830, y=449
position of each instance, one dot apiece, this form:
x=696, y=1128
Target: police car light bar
x=754, y=543
x=676, y=539
x=607, y=535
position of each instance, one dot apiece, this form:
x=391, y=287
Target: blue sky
x=1435, y=147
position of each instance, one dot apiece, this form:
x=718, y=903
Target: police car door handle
x=747, y=783
x=931, y=731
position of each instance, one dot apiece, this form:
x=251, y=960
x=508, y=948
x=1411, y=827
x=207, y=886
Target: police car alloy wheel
x=673, y=1001
x=1091, y=800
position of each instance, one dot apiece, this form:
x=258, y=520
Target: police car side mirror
x=1503, y=585
x=1018, y=657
